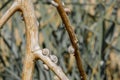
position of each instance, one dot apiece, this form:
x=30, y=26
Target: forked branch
x=8, y=14
x=26, y=7
x=46, y=59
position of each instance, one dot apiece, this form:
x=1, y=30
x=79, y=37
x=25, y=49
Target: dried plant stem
x=72, y=38
x=33, y=51
x=8, y=14
x=57, y=70
x=31, y=37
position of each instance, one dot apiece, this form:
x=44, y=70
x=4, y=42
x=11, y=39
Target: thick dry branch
x=32, y=45
x=31, y=38
x=72, y=38
x=57, y=70
x=8, y=14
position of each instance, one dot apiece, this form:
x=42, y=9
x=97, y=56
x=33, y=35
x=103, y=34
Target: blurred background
x=97, y=27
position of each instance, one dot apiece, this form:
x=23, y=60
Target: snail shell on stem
x=54, y=58
x=46, y=52
x=71, y=49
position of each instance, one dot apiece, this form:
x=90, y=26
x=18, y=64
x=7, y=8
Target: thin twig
x=73, y=38
x=8, y=14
